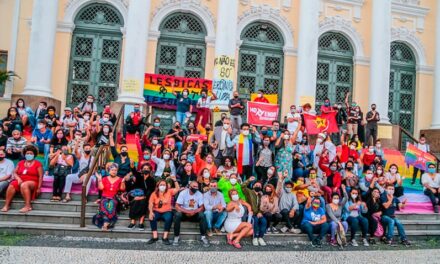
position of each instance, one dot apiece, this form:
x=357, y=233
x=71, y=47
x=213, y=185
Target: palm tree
x=6, y=75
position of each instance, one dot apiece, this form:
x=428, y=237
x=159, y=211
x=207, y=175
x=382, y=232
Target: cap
x=68, y=109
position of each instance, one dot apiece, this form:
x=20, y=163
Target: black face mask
x=257, y=189
x=145, y=172
x=87, y=152
x=268, y=193
x=208, y=129
x=193, y=190
x=124, y=154
x=349, y=168
x=235, y=96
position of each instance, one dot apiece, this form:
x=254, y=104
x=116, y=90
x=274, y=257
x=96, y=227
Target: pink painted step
x=76, y=188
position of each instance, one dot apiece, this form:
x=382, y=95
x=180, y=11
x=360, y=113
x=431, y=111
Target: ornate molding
x=189, y=6
x=405, y=10
x=282, y=4
x=354, y=7
x=345, y=27
x=267, y=14
x=409, y=37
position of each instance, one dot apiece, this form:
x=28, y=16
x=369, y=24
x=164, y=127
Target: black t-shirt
x=353, y=114
x=370, y=114
x=235, y=111
x=181, y=134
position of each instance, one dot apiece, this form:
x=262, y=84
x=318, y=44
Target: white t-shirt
x=6, y=168
x=292, y=126
x=190, y=202
x=433, y=183
x=204, y=103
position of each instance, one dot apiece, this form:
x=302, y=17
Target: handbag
x=61, y=170
x=86, y=169
x=340, y=236
x=379, y=230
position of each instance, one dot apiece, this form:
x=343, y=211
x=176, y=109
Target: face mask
x=289, y=190
x=315, y=205
x=39, y=126
x=228, y=164
x=87, y=152
x=106, y=130
x=225, y=126
x=65, y=152
x=379, y=172
x=286, y=137
x=431, y=170
x=349, y=168
x=162, y=188
x=105, y=119
x=193, y=190
x=203, y=95
x=257, y=189
x=312, y=175
x=354, y=196
x=327, y=103
x=166, y=156
x=233, y=181
x=369, y=176
x=208, y=128
x=339, y=106
x=137, y=110
x=90, y=100
x=156, y=124
x=124, y=154
x=146, y=157
x=260, y=95
x=275, y=128
x=268, y=193
x=371, y=150
x=29, y=157
x=319, y=140
x=378, y=145
x=390, y=192
x=235, y=197
x=245, y=132
x=77, y=137
x=213, y=189
x=270, y=171
x=335, y=201
x=20, y=104
x=393, y=170
x=59, y=136
x=206, y=175
x=145, y=172
x=333, y=168
x=154, y=142
x=185, y=93
x=266, y=142
x=264, y=132
x=191, y=126
x=86, y=118
x=373, y=108
x=352, y=147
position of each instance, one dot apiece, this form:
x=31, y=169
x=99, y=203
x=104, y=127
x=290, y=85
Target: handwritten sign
x=131, y=86
x=158, y=89
x=224, y=67
x=223, y=89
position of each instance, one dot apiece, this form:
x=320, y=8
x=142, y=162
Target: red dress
x=111, y=189
x=27, y=174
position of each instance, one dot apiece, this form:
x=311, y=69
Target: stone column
x=225, y=47
x=135, y=51
x=41, y=48
x=435, y=112
x=380, y=57
x=307, y=49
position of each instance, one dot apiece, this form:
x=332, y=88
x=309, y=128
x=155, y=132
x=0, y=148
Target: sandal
x=25, y=210
x=66, y=200
x=229, y=240
x=236, y=245
x=98, y=201
x=54, y=199
x=5, y=209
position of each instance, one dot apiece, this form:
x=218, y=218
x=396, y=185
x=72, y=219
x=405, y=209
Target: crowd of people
x=228, y=176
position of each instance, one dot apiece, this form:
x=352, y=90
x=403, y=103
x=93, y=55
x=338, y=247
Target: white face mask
x=225, y=126
x=166, y=156
x=354, y=196
x=319, y=140
x=289, y=190
x=245, y=132
x=233, y=181
x=185, y=93
x=154, y=142
x=162, y=188
x=206, y=175
x=39, y=126
x=390, y=192
x=393, y=170
x=371, y=150
x=352, y=147
x=86, y=118
x=90, y=100
x=235, y=197
x=105, y=130
x=335, y=201
x=369, y=176
x=378, y=145
x=105, y=119
x=20, y=104
x=379, y=172
x=270, y=171
x=286, y=137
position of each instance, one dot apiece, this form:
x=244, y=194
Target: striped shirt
x=17, y=144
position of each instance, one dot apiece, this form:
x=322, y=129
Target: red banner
x=261, y=114
x=321, y=123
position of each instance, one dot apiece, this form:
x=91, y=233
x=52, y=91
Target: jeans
x=389, y=223
x=58, y=184
x=44, y=148
x=290, y=221
x=180, y=117
x=372, y=225
x=272, y=219
x=371, y=132
x=199, y=217
x=355, y=222
x=415, y=172
x=260, y=226
x=434, y=197
x=215, y=217
x=261, y=173
x=310, y=229
x=236, y=121
x=334, y=226
x=167, y=217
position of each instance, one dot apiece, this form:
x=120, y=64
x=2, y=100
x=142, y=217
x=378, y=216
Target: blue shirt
x=311, y=215
x=46, y=135
x=183, y=104
x=390, y=211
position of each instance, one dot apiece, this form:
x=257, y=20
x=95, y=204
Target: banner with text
x=418, y=158
x=223, y=83
x=261, y=114
x=158, y=89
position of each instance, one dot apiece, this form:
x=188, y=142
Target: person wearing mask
x=431, y=186
x=84, y=157
x=142, y=186
x=219, y=123
x=68, y=122
x=288, y=205
x=107, y=216
x=368, y=183
x=314, y=221
x=270, y=209
x=350, y=177
x=203, y=107
x=160, y=208
x=89, y=105
x=261, y=98
x=341, y=120
x=26, y=114
x=177, y=134
x=15, y=145
x=303, y=148
x=274, y=133
x=226, y=184
x=134, y=123
x=353, y=112
x=285, y=148
x=335, y=213
x=324, y=150
x=372, y=118
x=27, y=180
x=215, y=206
x=121, y=158
x=102, y=135
x=187, y=175
x=271, y=177
x=368, y=158
x=378, y=150
x=374, y=214
x=204, y=180
x=333, y=179
x=236, y=107
x=189, y=206
x=6, y=170
x=298, y=166
x=208, y=162
x=41, y=111
x=12, y=122
x=425, y=148
x=51, y=118
x=393, y=177
x=226, y=168
x=62, y=162
x=326, y=107
x=389, y=205
x=237, y=229
x=3, y=139
x=265, y=159
x=165, y=165
x=356, y=208
x=41, y=138
x=183, y=105
x=218, y=141
x=293, y=121
x=244, y=144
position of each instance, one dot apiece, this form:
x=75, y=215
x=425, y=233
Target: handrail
x=407, y=133
x=115, y=125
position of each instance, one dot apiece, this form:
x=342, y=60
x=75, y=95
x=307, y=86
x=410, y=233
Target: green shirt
x=224, y=185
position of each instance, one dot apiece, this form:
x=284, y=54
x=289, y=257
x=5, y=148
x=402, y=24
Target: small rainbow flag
x=417, y=157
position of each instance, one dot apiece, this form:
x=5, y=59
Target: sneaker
x=405, y=243
x=372, y=241
x=205, y=241
x=141, y=227
x=365, y=242
x=333, y=242
x=436, y=209
x=152, y=241
x=166, y=241
x=209, y=233
x=274, y=230
x=176, y=241
x=284, y=229
x=389, y=242
x=262, y=242
x=131, y=226
x=314, y=243
x=223, y=230
x=354, y=243
x=295, y=231
x=255, y=242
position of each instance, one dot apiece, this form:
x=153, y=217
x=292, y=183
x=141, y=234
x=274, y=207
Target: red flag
x=321, y=123
x=261, y=114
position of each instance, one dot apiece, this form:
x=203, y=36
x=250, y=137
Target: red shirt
x=347, y=152
x=136, y=117
x=261, y=100
x=326, y=109
x=111, y=189
x=368, y=158
x=30, y=173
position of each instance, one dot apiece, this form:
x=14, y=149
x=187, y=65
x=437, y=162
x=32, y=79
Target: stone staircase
x=61, y=219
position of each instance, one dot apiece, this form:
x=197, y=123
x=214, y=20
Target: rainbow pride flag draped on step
x=417, y=157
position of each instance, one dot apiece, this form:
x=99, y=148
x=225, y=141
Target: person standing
x=353, y=112
x=425, y=148
x=183, y=104
x=372, y=118
x=236, y=105
x=261, y=98
x=204, y=108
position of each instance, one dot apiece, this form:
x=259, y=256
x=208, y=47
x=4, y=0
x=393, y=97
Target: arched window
x=95, y=55
x=335, y=68
x=402, y=97
x=261, y=60
x=181, y=49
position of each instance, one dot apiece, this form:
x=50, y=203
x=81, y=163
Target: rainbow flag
x=417, y=157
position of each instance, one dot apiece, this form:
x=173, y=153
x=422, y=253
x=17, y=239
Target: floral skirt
x=106, y=213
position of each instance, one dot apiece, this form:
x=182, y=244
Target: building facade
x=382, y=51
